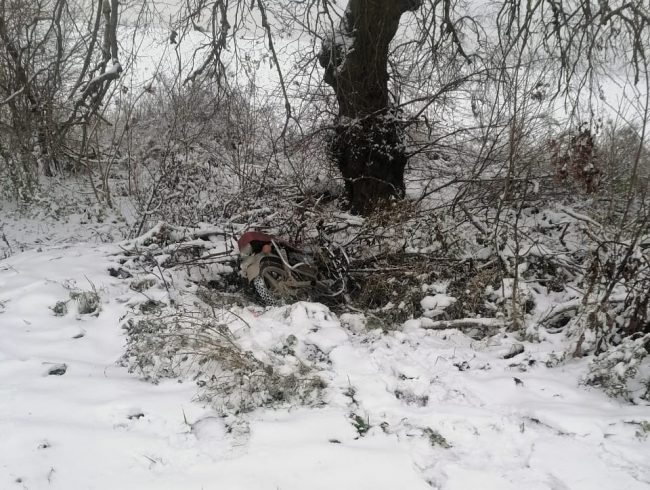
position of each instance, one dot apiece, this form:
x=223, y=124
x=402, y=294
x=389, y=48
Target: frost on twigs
x=60, y=308
x=167, y=246
x=197, y=342
x=406, y=264
x=617, y=370
x=87, y=301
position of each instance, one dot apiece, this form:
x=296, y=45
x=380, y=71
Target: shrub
x=197, y=342
x=618, y=366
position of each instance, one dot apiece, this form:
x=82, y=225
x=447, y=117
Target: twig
x=573, y=305
x=4, y=239
x=579, y=216
x=465, y=323
x=472, y=219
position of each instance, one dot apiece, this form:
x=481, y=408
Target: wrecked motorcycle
x=280, y=271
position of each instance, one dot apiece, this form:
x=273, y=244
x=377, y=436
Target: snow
x=441, y=301
x=443, y=410
x=436, y=304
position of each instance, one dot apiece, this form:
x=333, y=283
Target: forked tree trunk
x=368, y=145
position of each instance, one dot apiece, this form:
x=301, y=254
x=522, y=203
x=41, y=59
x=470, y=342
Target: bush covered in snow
x=199, y=344
x=617, y=370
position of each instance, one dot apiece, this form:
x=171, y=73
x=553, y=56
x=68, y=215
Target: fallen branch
x=578, y=216
x=465, y=323
x=479, y=226
x=562, y=309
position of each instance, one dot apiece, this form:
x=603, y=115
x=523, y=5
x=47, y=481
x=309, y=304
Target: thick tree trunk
x=368, y=146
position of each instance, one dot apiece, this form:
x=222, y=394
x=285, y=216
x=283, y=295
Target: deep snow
x=444, y=411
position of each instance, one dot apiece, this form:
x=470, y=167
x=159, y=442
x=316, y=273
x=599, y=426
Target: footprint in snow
x=119, y=273
x=57, y=370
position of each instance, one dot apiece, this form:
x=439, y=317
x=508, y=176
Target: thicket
x=505, y=202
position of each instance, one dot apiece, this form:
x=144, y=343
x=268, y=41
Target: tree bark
x=368, y=145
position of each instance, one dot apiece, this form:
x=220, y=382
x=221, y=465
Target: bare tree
x=56, y=74
x=369, y=145
x=383, y=69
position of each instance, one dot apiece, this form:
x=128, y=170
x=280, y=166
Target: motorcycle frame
x=251, y=264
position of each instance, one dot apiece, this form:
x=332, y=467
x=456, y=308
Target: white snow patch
x=442, y=411
x=435, y=305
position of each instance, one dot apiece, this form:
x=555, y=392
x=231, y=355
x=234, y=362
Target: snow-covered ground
x=411, y=409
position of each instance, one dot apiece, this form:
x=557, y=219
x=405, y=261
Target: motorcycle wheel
x=263, y=294
x=269, y=283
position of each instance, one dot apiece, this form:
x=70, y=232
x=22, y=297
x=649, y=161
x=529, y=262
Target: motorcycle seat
x=257, y=240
